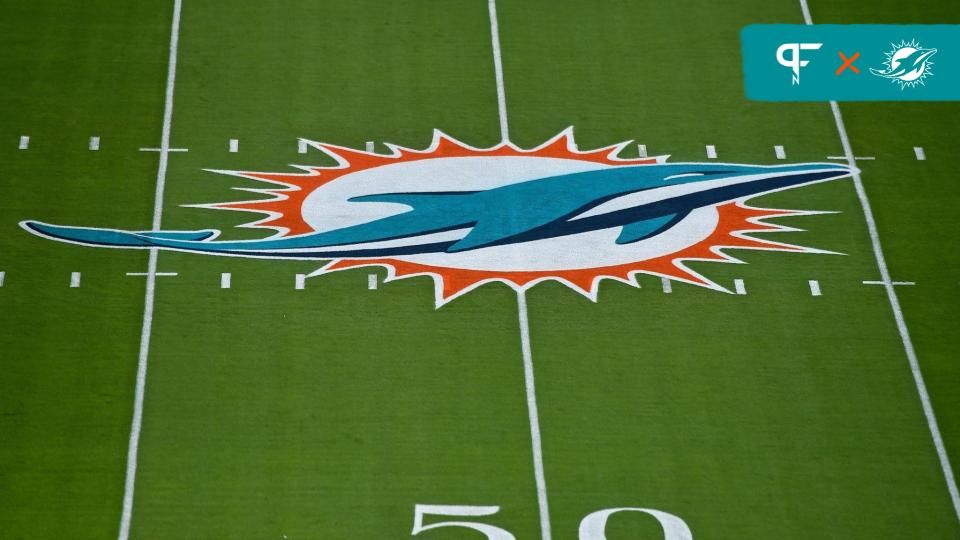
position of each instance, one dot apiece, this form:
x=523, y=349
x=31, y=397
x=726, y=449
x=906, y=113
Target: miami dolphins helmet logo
x=467, y=216
x=907, y=64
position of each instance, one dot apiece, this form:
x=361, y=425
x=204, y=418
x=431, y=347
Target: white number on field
x=593, y=527
x=493, y=533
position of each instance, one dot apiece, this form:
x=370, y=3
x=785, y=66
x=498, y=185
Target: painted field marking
x=225, y=279
x=164, y=151
x=739, y=287
x=234, y=146
x=74, y=280
x=642, y=150
x=24, y=142
x=2, y=275
x=299, y=281
x=534, y=418
x=371, y=147
x=711, y=151
x=814, y=287
x=498, y=71
x=918, y=151
x=154, y=274
x=533, y=415
x=780, y=152
x=891, y=283
x=94, y=143
x=301, y=146
x=667, y=285
x=146, y=329
x=888, y=283
x=371, y=282
x=854, y=158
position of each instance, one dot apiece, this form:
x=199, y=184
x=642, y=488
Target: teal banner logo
x=861, y=62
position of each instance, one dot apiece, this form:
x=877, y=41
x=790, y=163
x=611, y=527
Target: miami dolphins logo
x=907, y=64
x=468, y=216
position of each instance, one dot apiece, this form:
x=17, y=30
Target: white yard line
x=498, y=71
x=918, y=151
x=225, y=280
x=371, y=282
x=642, y=150
x=814, y=288
x=534, y=417
x=711, y=151
x=780, y=152
x=94, y=143
x=894, y=302
x=146, y=329
x=2, y=275
x=233, y=146
x=24, y=142
x=74, y=280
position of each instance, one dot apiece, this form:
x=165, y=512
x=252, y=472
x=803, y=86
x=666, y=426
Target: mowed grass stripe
x=730, y=412
x=333, y=409
x=68, y=373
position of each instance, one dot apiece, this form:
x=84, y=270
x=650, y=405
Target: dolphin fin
x=190, y=236
x=640, y=230
x=114, y=237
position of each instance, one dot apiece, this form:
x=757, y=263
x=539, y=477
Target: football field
x=163, y=394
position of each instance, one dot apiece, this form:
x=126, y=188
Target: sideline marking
x=889, y=283
x=739, y=287
x=164, y=150
x=137, y=421
x=74, y=280
x=94, y=143
x=225, y=280
x=498, y=71
x=299, y=281
x=371, y=282
x=781, y=153
x=815, y=288
x=24, y=142
x=301, y=146
x=370, y=147
x=921, y=155
x=533, y=414
x=667, y=285
x=234, y=146
x=894, y=302
x=711, y=151
x=642, y=150
x=2, y=275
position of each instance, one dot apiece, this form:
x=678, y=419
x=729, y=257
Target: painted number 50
x=593, y=527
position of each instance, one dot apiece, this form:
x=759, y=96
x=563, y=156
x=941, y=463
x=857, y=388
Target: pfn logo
x=794, y=62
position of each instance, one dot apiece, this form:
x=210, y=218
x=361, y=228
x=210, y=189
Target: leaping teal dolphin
x=644, y=200
x=907, y=64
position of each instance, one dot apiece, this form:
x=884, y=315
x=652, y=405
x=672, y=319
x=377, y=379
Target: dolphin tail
x=117, y=238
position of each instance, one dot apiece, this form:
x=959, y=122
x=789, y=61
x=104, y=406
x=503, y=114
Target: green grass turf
x=68, y=356
x=330, y=412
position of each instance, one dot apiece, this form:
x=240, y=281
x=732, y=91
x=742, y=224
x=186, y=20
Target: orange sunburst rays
x=284, y=213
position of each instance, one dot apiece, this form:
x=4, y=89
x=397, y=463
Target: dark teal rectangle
x=924, y=66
